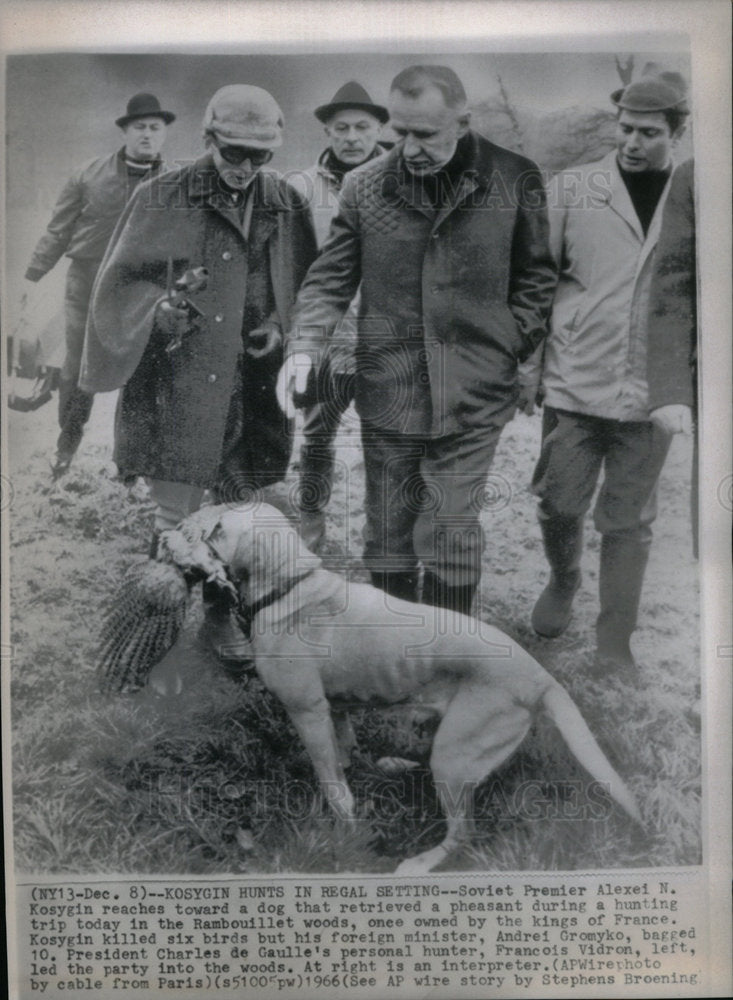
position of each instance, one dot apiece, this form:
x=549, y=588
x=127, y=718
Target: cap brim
x=327, y=111
x=249, y=141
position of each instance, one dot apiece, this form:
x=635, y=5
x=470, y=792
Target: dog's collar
x=275, y=595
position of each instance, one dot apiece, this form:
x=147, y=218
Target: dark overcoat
x=451, y=299
x=172, y=419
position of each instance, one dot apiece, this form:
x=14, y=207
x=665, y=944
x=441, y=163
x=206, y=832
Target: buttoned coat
x=173, y=409
x=595, y=359
x=450, y=298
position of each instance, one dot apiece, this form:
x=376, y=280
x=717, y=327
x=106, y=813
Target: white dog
x=321, y=643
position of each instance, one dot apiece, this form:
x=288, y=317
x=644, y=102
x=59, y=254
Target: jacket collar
x=619, y=201
x=156, y=166
x=204, y=188
x=399, y=184
x=323, y=169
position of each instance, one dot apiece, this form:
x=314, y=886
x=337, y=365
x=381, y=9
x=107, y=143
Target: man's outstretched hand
x=293, y=378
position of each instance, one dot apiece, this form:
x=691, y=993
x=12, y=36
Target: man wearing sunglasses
x=198, y=409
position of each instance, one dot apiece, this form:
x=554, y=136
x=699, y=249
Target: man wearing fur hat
x=605, y=219
x=82, y=222
x=353, y=124
x=198, y=409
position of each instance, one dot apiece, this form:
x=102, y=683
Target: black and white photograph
x=354, y=405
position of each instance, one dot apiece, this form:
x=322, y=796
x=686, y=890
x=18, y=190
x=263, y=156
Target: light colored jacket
x=320, y=188
x=595, y=356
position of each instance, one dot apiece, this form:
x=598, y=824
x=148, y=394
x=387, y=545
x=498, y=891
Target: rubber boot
x=221, y=632
x=441, y=595
x=74, y=409
x=400, y=584
x=623, y=563
x=563, y=541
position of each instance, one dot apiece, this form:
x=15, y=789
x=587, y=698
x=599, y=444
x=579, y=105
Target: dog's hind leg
x=482, y=727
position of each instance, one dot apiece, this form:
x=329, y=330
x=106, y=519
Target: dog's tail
x=566, y=715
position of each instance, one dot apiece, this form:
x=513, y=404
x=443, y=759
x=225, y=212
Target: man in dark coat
x=82, y=222
x=198, y=409
x=672, y=346
x=448, y=235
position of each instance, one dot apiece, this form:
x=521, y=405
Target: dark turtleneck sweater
x=645, y=189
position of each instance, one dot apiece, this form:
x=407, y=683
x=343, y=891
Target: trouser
x=173, y=502
x=318, y=453
x=74, y=404
x=575, y=447
x=423, y=501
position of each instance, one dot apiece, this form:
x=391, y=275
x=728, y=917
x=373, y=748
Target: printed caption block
x=454, y=937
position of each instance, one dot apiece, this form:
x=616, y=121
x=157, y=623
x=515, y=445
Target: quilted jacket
x=451, y=298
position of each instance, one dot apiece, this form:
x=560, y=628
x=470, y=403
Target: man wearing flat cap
x=605, y=219
x=81, y=224
x=197, y=369
x=353, y=124
x=447, y=235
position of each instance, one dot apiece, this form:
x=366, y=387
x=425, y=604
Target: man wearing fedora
x=197, y=410
x=353, y=124
x=605, y=219
x=81, y=225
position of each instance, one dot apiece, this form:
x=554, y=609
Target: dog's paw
x=414, y=866
x=423, y=863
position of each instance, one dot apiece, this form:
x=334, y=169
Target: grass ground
x=214, y=780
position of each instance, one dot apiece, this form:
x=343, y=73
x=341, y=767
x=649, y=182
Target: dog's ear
x=273, y=554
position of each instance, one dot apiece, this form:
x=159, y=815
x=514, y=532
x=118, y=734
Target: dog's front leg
x=345, y=736
x=316, y=730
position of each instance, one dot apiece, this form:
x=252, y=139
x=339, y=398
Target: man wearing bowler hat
x=605, y=219
x=353, y=124
x=197, y=409
x=82, y=222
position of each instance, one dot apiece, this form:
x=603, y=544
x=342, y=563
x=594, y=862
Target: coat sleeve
x=126, y=291
x=295, y=251
x=55, y=241
x=672, y=336
x=530, y=370
x=332, y=281
x=533, y=274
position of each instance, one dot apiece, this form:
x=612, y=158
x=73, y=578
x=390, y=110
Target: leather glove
x=171, y=321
